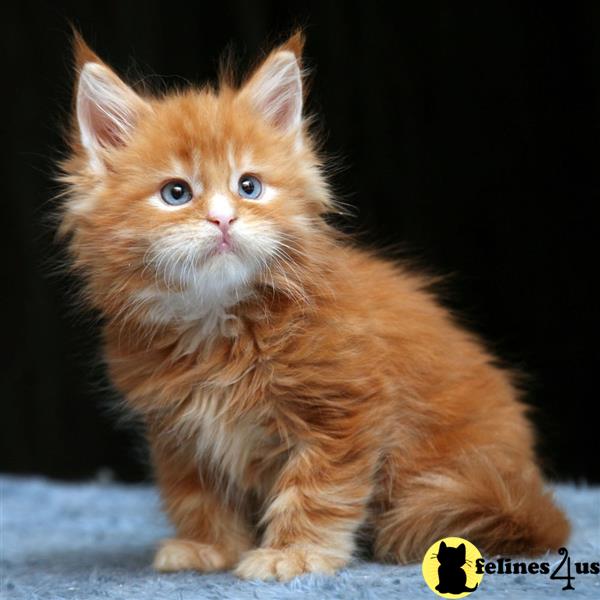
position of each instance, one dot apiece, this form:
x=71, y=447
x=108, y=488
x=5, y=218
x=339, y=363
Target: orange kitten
x=295, y=388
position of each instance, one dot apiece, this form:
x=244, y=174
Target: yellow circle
x=453, y=576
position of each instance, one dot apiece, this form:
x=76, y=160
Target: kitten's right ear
x=107, y=109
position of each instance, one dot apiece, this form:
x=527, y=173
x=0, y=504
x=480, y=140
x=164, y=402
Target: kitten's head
x=181, y=203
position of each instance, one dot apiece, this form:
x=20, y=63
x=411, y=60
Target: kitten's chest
x=240, y=449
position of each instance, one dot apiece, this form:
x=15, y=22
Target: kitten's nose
x=222, y=221
x=221, y=212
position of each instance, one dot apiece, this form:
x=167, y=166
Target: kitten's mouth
x=223, y=245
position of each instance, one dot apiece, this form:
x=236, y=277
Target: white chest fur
x=232, y=447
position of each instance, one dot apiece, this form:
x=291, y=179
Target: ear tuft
x=295, y=44
x=82, y=53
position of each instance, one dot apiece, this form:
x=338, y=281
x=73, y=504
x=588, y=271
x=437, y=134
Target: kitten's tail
x=500, y=511
x=468, y=589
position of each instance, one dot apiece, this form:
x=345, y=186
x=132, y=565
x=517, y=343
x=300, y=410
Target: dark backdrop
x=469, y=138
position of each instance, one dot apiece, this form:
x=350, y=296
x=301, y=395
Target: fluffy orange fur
x=299, y=393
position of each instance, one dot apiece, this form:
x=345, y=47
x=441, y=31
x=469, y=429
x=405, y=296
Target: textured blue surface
x=96, y=541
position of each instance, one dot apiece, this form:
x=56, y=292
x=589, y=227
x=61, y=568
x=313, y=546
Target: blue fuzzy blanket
x=95, y=541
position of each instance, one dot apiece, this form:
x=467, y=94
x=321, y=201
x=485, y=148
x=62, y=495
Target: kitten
x=295, y=389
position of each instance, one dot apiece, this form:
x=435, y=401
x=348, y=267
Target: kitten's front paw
x=286, y=563
x=186, y=555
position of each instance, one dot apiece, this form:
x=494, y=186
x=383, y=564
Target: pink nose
x=221, y=220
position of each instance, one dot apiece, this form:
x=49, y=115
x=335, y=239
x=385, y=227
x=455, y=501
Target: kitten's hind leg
x=500, y=511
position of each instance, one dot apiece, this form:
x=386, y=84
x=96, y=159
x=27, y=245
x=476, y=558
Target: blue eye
x=249, y=187
x=176, y=192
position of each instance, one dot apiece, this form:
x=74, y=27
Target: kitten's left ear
x=275, y=89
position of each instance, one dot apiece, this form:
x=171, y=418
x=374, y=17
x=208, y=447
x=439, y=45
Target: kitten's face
x=190, y=199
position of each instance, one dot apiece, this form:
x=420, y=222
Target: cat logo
x=449, y=568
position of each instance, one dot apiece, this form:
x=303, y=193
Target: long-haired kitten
x=298, y=392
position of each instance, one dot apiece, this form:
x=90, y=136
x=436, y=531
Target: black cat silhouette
x=450, y=572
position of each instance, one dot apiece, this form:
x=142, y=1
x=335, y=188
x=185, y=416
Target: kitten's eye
x=249, y=187
x=176, y=192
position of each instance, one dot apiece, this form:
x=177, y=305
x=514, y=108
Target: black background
x=469, y=137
